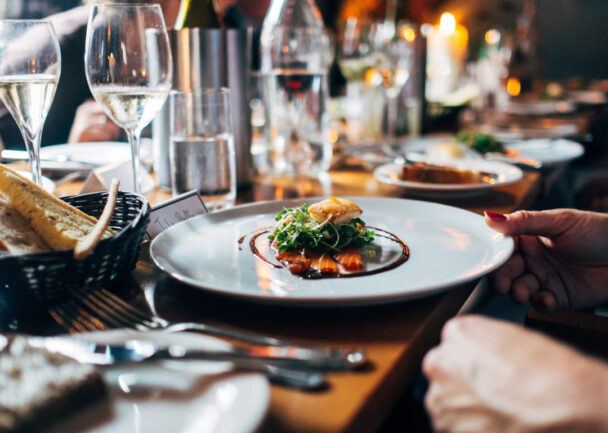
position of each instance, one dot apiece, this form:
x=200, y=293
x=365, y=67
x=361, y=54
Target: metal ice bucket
x=205, y=58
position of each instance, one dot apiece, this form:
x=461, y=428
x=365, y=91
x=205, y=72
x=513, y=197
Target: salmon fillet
x=350, y=259
x=323, y=263
x=296, y=262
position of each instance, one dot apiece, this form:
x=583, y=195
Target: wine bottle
x=197, y=13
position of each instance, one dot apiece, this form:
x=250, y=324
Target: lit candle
x=447, y=52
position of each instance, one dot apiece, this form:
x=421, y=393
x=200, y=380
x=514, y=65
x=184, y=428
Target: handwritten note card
x=170, y=212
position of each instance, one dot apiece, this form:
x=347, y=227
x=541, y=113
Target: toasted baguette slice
x=56, y=222
x=16, y=235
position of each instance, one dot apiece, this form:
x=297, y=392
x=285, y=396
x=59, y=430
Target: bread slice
x=16, y=235
x=59, y=224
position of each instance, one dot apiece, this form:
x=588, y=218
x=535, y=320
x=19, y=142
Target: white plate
x=174, y=396
x=545, y=151
x=540, y=108
x=448, y=246
x=506, y=174
x=548, y=152
x=97, y=153
x=47, y=184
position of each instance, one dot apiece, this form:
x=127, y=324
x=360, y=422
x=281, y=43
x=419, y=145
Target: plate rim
x=77, y=421
x=333, y=301
x=549, y=163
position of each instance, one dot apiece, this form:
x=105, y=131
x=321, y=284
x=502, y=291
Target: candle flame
x=447, y=24
x=513, y=86
x=492, y=37
x=409, y=34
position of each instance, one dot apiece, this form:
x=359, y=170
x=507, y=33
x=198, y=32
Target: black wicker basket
x=36, y=281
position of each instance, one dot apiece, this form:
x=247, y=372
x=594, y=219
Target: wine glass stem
x=391, y=119
x=133, y=136
x=33, y=149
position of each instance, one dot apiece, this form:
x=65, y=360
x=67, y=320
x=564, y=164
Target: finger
x=524, y=287
x=545, y=268
x=544, y=301
x=544, y=223
x=431, y=364
x=501, y=279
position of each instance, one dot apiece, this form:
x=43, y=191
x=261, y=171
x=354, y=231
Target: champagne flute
x=30, y=64
x=128, y=67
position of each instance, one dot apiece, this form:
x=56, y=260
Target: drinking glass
x=357, y=60
x=201, y=147
x=128, y=67
x=393, y=48
x=30, y=64
x=355, y=55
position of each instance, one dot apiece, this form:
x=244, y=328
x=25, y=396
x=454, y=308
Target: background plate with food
x=463, y=176
x=533, y=153
x=447, y=246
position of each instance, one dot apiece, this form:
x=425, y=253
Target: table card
x=170, y=212
x=101, y=178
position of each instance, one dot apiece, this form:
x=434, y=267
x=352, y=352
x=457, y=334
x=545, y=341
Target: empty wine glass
x=128, y=67
x=30, y=64
x=393, y=46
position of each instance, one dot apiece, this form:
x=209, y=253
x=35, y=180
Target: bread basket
x=32, y=282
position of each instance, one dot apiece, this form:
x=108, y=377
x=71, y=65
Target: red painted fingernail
x=498, y=217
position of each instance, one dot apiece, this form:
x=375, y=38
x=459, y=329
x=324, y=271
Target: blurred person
x=73, y=116
x=492, y=376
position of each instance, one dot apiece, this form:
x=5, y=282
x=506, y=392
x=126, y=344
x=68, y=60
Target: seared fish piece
x=335, y=210
x=295, y=261
x=323, y=263
x=350, y=259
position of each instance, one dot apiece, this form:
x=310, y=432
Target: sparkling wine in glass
x=128, y=67
x=30, y=64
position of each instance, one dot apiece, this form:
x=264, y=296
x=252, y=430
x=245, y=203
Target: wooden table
x=395, y=336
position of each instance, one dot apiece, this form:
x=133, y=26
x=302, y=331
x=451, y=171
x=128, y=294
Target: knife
x=137, y=351
x=140, y=351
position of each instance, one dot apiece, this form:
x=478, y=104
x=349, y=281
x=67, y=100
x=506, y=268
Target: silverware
x=101, y=309
x=141, y=351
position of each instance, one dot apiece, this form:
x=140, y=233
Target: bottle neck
x=197, y=14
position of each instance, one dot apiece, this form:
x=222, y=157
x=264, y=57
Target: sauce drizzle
x=315, y=275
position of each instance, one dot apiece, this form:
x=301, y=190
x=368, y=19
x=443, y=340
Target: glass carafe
x=294, y=73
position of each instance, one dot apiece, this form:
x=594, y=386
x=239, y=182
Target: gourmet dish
x=432, y=173
x=39, y=387
x=326, y=240
x=480, y=142
x=32, y=220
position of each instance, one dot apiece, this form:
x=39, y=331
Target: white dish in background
x=47, y=184
x=506, y=174
x=548, y=152
x=96, y=154
x=448, y=246
x=540, y=108
x=545, y=151
x=173, y=396
x=588, y=97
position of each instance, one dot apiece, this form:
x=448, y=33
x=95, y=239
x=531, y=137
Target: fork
x=77, y=320
x=101, y=309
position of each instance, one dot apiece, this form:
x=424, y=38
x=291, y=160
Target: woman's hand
x=492, y=376
x=92, y=124
x=560, y=259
